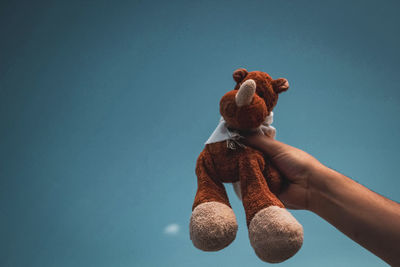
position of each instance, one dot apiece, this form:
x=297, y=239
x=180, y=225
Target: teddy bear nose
x=245, y=93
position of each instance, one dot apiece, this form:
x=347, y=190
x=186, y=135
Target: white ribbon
x=222, y=133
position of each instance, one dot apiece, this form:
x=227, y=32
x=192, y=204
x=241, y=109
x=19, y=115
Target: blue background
x=105, y=106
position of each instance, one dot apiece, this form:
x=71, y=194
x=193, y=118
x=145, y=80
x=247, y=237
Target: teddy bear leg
x=212, y=224
x=274, y=180
x=274, y=233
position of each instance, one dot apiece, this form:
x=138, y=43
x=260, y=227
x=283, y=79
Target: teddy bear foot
x=212, y=226
x=275, y=234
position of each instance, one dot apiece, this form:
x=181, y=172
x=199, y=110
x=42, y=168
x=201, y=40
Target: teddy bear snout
x=243, y=109
x=245, y=93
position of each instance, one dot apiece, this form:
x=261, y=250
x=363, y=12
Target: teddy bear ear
x=280, y=85
x=239, y=75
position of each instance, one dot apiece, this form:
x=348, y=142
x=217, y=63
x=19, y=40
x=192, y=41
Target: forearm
x=366, y=217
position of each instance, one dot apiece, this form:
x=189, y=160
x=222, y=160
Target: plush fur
x=274, y=234
x=212, y=226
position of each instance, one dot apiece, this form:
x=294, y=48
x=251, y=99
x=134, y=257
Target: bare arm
x=371, y=220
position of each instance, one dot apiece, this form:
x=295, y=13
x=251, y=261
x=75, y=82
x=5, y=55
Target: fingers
x=266, y=144
x=285, y=198
x=294, y=197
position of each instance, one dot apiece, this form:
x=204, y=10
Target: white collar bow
x=222, y=133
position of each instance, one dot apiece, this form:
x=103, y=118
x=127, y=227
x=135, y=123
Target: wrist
x=318, y=187
x=326, y=187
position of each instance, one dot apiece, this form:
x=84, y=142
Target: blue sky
x=105, y=106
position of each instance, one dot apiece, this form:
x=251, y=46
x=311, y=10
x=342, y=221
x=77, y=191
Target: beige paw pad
x=275, y=234
x=212, y=226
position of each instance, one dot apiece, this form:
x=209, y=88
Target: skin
x=368, y=218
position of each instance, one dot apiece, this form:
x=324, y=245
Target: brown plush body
x=274, y=233
x=259, y=181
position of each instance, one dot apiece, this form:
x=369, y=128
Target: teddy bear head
x=254, y=97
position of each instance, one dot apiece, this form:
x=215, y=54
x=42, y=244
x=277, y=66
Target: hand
x=294, y=164
x=347, y=205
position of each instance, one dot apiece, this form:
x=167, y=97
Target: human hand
x=344, y=203
x=294, y=164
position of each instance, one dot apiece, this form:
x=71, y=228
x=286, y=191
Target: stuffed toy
x=274, y=233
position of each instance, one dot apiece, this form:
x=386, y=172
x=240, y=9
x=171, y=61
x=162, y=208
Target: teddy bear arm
x=274, y=179
x=213, y=223
x=208, y=188
x=256, y=194
x=274, y=233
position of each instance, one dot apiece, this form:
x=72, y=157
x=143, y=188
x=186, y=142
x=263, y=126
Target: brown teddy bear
x=274, y=233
